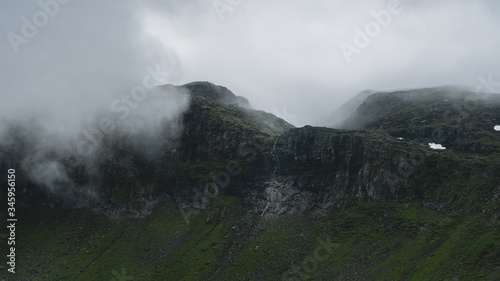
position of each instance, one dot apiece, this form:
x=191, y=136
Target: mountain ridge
x=246, y=195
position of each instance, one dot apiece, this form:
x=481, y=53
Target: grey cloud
x=279, y=54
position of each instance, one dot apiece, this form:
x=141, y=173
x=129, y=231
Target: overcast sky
x=285, y=56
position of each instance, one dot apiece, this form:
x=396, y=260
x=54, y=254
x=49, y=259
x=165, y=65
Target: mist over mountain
x=457, y=117
x=339, y=116
x=202, y=156
x=237, y=140
x=284, y=56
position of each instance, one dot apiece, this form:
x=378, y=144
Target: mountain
x=223, y=191
x=459, y=119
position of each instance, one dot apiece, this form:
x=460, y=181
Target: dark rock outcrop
x=219, y=142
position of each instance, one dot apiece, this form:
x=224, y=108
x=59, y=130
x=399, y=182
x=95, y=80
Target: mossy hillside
x=88, y=249
x=211, y=105
x=465, y=185
x=457, y=118
x=375, y=241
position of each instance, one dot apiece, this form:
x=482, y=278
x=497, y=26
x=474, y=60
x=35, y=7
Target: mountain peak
x=207, y=90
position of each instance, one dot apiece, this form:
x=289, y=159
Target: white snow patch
x=400, y=138
x=436, y=146
x=497, y=128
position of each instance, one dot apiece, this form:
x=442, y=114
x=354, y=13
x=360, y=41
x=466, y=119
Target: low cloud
x=280, y=54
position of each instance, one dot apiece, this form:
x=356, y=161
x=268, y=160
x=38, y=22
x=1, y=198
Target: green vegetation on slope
x=373, y=241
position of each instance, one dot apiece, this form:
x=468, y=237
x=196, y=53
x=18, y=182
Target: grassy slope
x=376, y=241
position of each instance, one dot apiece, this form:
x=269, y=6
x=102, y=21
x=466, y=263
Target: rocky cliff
x=281, y=169
x=233, y=173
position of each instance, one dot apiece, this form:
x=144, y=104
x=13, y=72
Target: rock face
x=219, y=143
x=317, y=167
